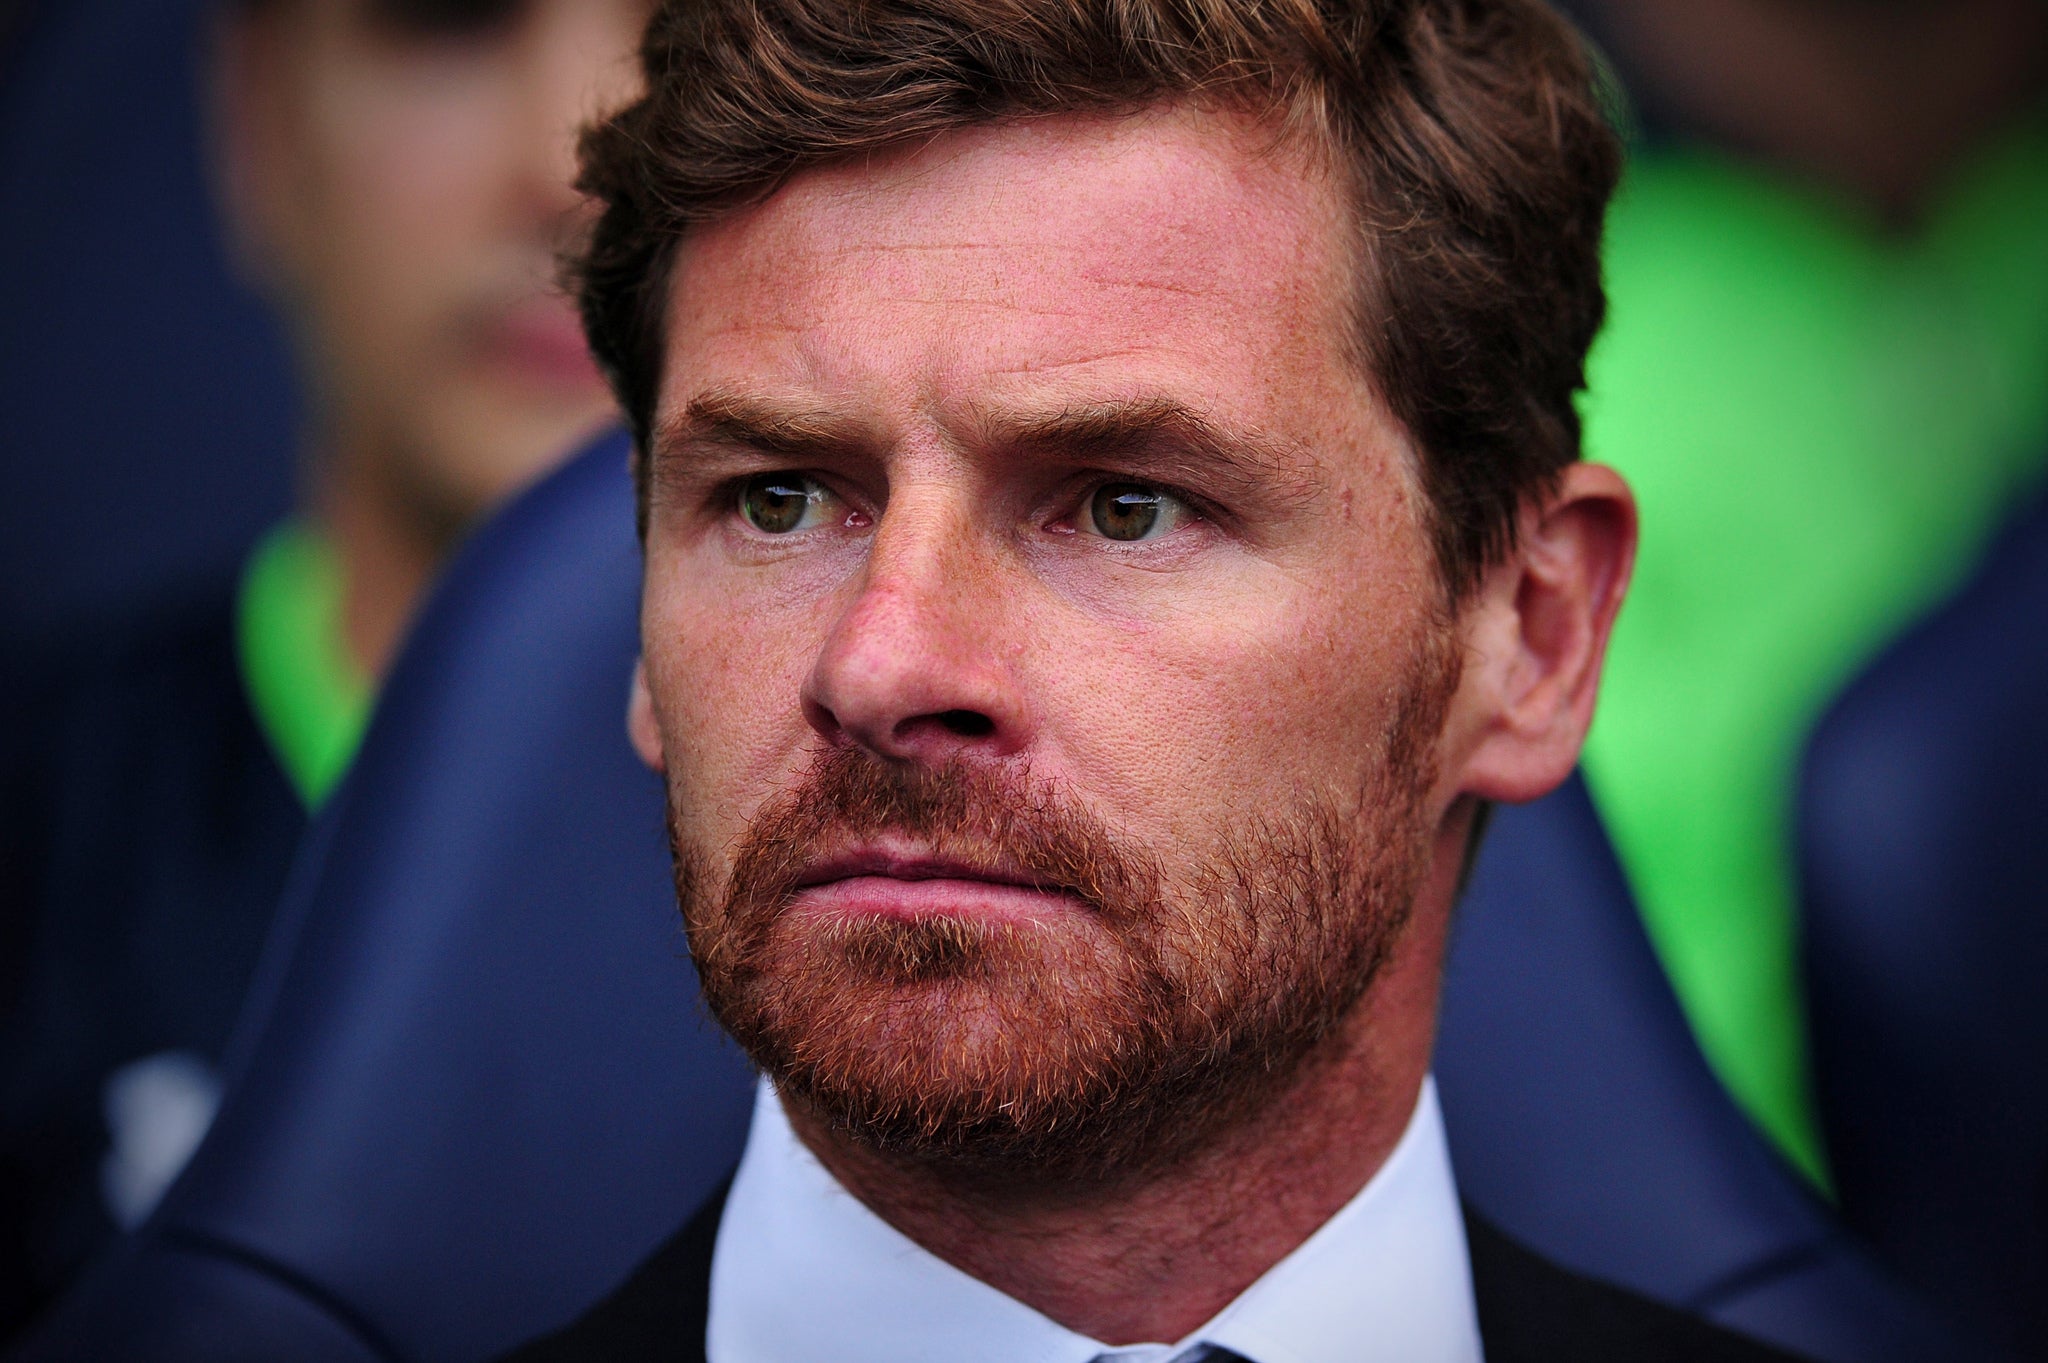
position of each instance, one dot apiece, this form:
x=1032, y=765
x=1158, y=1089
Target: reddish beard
x=1102, y=1041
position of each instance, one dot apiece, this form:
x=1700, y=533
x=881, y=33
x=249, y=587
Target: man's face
x=1042, y=640
x=401, y=169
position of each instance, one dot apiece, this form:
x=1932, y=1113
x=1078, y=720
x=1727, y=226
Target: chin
x=993, y=1050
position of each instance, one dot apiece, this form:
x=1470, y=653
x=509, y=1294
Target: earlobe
x=1541, y=625
x=640, y=722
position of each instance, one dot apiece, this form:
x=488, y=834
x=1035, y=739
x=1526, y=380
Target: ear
x=1536, y=634
x=640, y=723
x=250, y=118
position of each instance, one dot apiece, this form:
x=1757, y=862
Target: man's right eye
x=784, y=503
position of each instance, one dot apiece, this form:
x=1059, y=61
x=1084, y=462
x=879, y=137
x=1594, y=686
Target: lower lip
x=909, y=900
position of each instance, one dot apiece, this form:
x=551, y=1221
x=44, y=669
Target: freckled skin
x=1264, y=655
x=1175, y=686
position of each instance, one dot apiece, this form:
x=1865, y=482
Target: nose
x=920, y=666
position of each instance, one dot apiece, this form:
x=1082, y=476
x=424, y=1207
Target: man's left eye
x=1132, y=512
x=784, y=503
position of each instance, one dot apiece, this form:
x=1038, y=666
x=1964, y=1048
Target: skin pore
x=398, y=174
x=900, y=400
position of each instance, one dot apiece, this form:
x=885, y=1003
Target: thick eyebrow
x=1154, y=437
x=1167, y=439
x=721, y=419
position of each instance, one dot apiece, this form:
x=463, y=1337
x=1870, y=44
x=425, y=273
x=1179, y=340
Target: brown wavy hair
x=1479, y=158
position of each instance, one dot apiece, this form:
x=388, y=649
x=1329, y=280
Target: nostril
x=967, y=723
x=821, y=719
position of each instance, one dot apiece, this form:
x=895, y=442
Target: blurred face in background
x=399, y=174
x=1877, y=99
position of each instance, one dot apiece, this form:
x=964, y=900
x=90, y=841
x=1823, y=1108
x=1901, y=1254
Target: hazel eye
x=1133, y=511
x=784, y=503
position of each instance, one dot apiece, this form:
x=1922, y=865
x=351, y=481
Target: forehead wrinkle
x=913, y=248
x=1139, y=283
x=1049, y=366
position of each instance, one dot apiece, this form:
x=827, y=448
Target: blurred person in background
x=1822, y=372
x=396, y=176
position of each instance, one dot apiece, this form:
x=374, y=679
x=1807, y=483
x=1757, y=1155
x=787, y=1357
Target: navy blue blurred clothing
x=150, y=415
x=145, y=834
x=144, y=828
x=149, y=398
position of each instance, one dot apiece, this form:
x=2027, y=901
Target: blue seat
x=479, y=1086
x=1584, y=1120
x=1924, y=849
x=480, y=1090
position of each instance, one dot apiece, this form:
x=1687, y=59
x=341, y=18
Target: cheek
x=1188, y=727
x=729, y=669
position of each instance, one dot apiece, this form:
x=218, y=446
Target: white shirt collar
x=803, y=1270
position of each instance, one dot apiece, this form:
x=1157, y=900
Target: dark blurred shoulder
x=1533, y=1311
x=146, y=831
x=143, y=813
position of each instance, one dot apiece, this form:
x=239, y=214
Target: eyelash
x=1195, y=510
x=726, y=496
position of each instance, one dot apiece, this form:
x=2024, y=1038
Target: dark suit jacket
x=1530, y=1311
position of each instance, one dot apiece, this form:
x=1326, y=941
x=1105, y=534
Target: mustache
x=972, y=813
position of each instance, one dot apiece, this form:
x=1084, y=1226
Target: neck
x=388, y=551
x=1152, y=1261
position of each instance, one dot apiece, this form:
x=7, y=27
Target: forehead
x=1174, y=253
